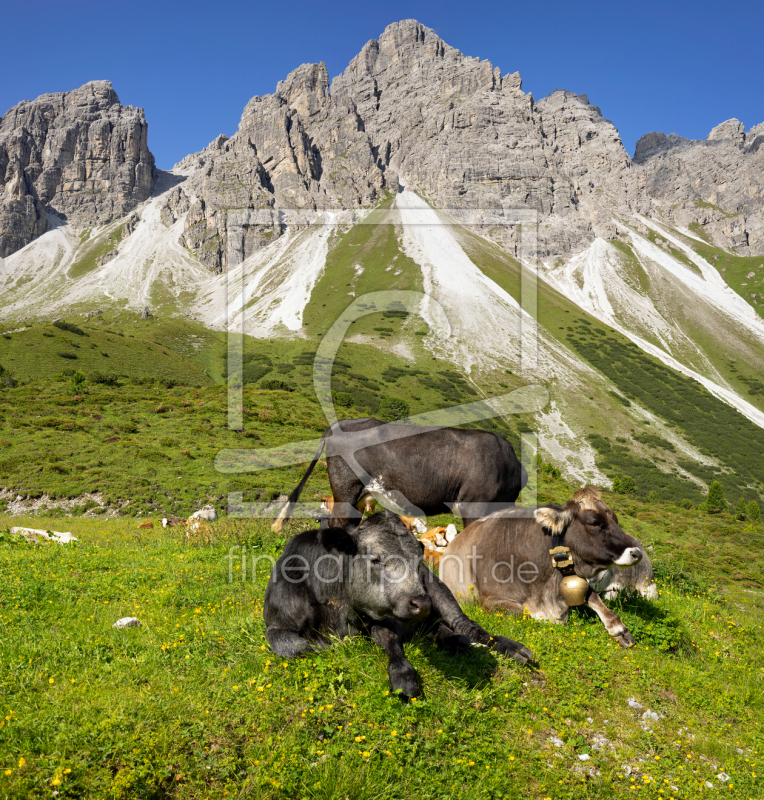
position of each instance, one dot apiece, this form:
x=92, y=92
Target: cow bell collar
x=573, y=588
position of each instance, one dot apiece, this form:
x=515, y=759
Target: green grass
x=717, y=430
x=89, y=252
x=366, y=258
x=634, y=272
x=120, y=343
x=193, y=704
x=141, y=438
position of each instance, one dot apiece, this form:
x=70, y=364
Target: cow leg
x=449, y=641
x=610, y=620
x=288, y=644
x=399, y=670
x=445, y=606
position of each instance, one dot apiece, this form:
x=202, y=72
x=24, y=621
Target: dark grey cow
x=368, y=580
x=414, y=470
x=504, y=560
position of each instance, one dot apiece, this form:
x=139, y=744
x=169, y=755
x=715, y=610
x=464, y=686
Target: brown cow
x=504, y=560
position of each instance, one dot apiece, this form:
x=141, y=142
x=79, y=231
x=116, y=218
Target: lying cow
x=207, y=513
x=504, y=560
x=338, y=582
x=401, y=467
x=638, y=578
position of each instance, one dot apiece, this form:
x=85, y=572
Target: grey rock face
x=408, y=110
x=81, y=155
x=408, y=105
x=717, y=183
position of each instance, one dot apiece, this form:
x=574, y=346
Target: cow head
x=591, y=530
x=384, y=580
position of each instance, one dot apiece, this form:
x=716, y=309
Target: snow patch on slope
x=563, y=446
x=484, y=318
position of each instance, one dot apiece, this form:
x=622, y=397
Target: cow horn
x=554, y=520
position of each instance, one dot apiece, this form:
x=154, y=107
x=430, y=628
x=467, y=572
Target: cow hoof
x=403, y=682
x=625, y=639
x=507, y=647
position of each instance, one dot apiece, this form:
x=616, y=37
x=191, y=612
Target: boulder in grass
x=127, y=622
x=35, y=534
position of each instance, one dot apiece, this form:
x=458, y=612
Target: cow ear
x=554, y=520
x=339, y=540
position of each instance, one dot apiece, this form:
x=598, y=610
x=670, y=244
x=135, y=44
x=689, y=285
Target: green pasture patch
x=366, y=258
x=92, y=250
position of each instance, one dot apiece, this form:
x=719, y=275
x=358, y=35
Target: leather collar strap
x=561, y=557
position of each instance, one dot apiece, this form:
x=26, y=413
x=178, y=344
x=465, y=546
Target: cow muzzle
x=414, y=608
x=629, y=557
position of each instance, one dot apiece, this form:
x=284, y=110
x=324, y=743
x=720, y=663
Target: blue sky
x=672, y=66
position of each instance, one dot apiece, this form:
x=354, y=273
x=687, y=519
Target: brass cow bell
x=574, y=589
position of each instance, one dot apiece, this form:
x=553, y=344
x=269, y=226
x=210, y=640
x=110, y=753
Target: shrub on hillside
x=67, y=326
x=624, y=484
x=343, y=399
x=549, y=469
x=741, y=509
x=273, y=384
x=753, y=512
x=7, y=381
x=391, y=408
x=67, y=355
x=106, y=379
x=253, y=372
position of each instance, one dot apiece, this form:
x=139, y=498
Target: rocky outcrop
x=716, y=183
x=81, y=155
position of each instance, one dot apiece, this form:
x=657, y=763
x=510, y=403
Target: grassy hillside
x=731, y=445
x=194, y=703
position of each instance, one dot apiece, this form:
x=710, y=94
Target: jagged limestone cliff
x=81, y=155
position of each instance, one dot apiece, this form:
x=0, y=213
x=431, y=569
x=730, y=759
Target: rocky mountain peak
x=732, y=130
x=80, y=155
x=305, y=89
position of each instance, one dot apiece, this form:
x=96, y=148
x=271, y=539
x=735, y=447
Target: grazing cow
x=371, y=579
x=638, y=578
x=505, y=561
x=146, y=524
x=414, y=470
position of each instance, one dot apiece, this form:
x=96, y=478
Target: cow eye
x=375, y=560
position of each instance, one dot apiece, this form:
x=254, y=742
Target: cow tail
x=286, y=512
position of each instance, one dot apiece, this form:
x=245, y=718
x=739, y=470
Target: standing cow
x=504, y=560
x=337, y=582
x=414, y=470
